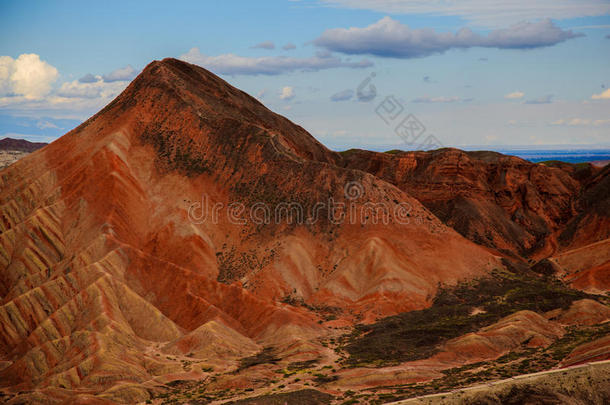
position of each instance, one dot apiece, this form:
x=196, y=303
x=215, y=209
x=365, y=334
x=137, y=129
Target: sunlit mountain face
x=304, y=202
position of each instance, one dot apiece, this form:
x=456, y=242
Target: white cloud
x=93, y=87
x=89, y=78
x=126, y=73
x=231, y=64
x=261, y=94
x=344, y=95
x=78, y=89
x=44, y=124
x=390, y=38
x=289, y=46
x=487, y=13
x=26, y=76
x=287, y=93
x=604, y=95
x=514, y=95
x=264, y=45
x=74, y=99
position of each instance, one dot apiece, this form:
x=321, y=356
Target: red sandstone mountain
x=503, y=202
x=518, y=208
x=110, y=286
x=102, y=269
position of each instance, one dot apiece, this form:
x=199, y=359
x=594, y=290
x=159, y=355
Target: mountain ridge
x=111, y=291
x=22, y=145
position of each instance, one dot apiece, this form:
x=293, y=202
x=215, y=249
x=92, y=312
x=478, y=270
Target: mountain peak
x=176, y=71
x=171, y=92
x=188, y=221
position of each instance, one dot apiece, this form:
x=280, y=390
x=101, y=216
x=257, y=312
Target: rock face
x=116, y=274
x=9, y=157
x=592, y=224
x=556, y=215
x=516, y=207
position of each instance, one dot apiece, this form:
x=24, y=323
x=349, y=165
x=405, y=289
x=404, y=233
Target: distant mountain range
x=11, y=150
x=20, y=145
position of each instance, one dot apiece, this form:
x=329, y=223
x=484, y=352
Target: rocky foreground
x=120, y=283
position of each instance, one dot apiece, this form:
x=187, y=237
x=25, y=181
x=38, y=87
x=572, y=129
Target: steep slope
x=506, y=203
x=592, y=224
x=117, y=274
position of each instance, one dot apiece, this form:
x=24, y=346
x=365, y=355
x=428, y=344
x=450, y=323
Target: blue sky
x=473, y=72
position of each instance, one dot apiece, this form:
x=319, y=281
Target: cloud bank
x=120, y=75
x=88, y=78
x=514, y=95
x=287, y=93
x=604, y=95
x=264, y=45
x=95, y=86
x=27, y=86
x=390, y=38
x=27, y=76
x=230, y=64
x=344, y=95
x=486, y=13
